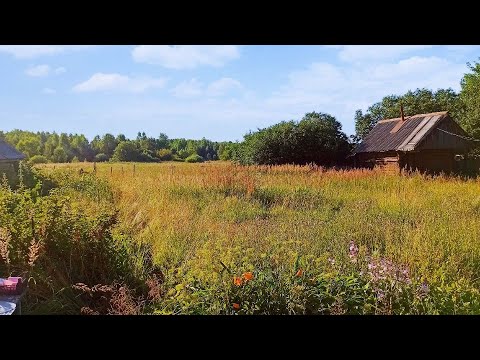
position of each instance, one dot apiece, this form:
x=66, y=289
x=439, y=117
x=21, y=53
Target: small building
x=9, y=158
x=430, y=143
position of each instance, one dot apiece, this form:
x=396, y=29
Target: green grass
x=208, y=223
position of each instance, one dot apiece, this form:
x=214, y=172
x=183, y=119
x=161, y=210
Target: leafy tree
x=414, y=102
x=317, y=138
x=165, y=154
x=126, y=151
x=59, y=155
x=163, y=142
x=30, y=145
x=470, y=97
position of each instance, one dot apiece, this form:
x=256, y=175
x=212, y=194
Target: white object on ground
x=7, y=308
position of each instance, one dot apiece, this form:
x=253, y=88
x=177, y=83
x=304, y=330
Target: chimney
x=399, y=123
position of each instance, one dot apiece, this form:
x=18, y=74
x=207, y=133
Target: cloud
x=117, y=82
x=43, y=70
x=222, y=86
x=185, y=56
x=48, y=91
x=194, y=88
x=188, y=89
x=341, y=89
x=356, y=53
x=32, y=51
x=38, y=71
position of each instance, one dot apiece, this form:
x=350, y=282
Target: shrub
x=62, y=239
x=38, y=159
x=165, y=154
x=195, y=158
x=101, y=157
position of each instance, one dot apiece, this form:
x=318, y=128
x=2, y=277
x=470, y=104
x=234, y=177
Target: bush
x=38, y=159
x=165, y=154
x=317, y=138
x=101, y=157
x=195, y=158
x=64, y=239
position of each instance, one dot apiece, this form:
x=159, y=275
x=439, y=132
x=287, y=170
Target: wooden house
x=425, y=142
x=9, y=158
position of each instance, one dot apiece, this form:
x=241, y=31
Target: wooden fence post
x=133, y=169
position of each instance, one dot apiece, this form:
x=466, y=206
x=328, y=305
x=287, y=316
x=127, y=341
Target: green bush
x=62, y=239
x=195, y=158
x=165, y=154
x=101, y=158
x=38, y=159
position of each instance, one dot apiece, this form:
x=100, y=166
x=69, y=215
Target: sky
x=215, y=91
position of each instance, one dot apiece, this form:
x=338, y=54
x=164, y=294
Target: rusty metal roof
x=9, y=153
x=392, y=135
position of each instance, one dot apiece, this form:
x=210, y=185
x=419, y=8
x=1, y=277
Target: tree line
x=316, y=138
x=43, y=147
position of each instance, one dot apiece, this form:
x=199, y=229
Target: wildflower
x=299, y=273
x=353, y=251
x=248, y=276
x=423, y=290
x=236, y=306
x=237, y=281
x=332, y=261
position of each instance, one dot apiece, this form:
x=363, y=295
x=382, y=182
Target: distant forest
x=44, y=147
x=316, y=138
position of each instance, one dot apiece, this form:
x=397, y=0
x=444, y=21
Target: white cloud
x=222, y=86
x=188, y=89
x=38, y=71
x=340, y=90
x=48, y=91
x=194, y=88
x=117, y=82
x=32, y=51
x=43, y=70
x=355, y=53
x=185, y=56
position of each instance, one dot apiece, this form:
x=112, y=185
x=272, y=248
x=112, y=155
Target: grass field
x=292, y=239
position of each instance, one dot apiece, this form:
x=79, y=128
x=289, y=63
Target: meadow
x=218, y=238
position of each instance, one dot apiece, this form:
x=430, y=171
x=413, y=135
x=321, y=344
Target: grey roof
x=8, y=152
x=393, y=135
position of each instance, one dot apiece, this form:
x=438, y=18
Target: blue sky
x=217, y=92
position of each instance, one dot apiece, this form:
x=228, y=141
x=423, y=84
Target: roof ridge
x=416, y=115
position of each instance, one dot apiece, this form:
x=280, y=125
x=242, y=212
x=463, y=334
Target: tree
x=165, y=154
x=126, y=151
x=163, y=142
x=317, y=138
x=30, y=145
x=470, y=97
x=59, y=155
x=419, y=101
x=108, y=144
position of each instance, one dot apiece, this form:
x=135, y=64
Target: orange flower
x=299, y=273
x=248, y=276
x=237, y=280
x=236, y=306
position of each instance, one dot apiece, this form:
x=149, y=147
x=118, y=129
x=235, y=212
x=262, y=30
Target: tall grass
x=210, y=223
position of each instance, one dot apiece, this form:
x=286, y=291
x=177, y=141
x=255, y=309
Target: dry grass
x=196, y=215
